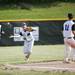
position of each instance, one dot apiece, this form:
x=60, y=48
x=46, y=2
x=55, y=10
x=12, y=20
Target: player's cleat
x=67, y=61
x=73, y=60
x=26, y=59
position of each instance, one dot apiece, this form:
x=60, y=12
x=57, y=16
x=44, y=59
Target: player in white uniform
x=1, y=31
x=68, y=30
x=28, y=41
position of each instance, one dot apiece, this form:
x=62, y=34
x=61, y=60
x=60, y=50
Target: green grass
x=22, y=72
x=57, y=10
x=14, y=54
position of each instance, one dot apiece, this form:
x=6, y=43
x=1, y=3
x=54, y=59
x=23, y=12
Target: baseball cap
x=70, y=15
x=24, y=25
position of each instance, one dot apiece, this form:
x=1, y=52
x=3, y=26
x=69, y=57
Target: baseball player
x=1, y=32
x=28, y=41
x=68, y=34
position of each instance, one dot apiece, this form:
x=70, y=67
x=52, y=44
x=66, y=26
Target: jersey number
x=66, y=27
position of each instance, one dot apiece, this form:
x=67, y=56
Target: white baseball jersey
x=0, y=31
x=0, y=28
x=27, y=35
x=67, y=29
x=28, y=41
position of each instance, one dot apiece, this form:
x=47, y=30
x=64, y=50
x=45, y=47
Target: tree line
x=33, y=1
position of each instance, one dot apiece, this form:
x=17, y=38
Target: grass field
x=56, y=10
x=15, y=54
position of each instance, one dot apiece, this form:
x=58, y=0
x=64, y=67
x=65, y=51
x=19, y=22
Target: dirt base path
x=45, y=66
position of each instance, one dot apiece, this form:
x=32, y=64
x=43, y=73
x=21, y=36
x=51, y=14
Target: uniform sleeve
x=2, y=32
x=73, y=27
x=21, y=34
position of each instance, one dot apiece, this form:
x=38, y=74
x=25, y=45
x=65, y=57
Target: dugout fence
x=49, y=31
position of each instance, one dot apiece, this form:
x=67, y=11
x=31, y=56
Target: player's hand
x=14, y=36
x=10, y=36
x=29, y=29
x=3, y=32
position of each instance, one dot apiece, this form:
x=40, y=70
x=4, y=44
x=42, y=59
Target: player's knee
x=29, y=52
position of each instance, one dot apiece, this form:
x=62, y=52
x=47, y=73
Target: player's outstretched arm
x=13, y=36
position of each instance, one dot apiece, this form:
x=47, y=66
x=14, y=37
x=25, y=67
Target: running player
x=28, y=40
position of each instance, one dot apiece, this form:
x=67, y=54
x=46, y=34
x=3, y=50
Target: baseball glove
x=29, y=29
